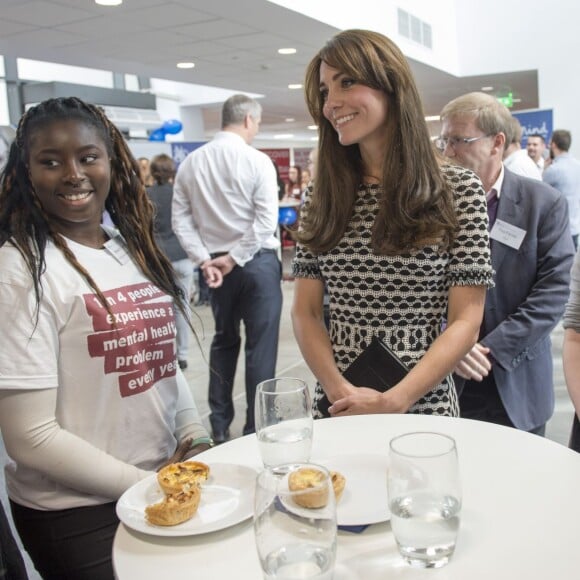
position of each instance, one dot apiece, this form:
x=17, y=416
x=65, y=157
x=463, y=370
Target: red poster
x=301, y=157
x=281, y=157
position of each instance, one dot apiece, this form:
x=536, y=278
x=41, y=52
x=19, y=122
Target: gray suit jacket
x=531, y=290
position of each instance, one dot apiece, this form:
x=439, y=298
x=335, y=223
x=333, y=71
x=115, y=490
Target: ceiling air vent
x=414, y=29
x=126, y=119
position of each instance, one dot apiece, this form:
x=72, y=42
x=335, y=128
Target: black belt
x=258, y=253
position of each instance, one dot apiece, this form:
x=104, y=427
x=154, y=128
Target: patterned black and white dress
x=401, y=299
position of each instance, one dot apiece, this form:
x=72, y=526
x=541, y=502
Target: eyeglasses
x=442, y=142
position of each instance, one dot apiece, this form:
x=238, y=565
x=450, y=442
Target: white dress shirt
x=521, y=163
x=225, y=199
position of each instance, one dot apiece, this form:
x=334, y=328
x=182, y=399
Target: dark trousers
x=11, y=562
x=251, y=294
x=575, y=434
x=71, y=544
x=481, y=401
x=203, y=289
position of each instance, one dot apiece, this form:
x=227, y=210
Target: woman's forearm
x=314, y=343
x=34, y=439
x=438, y=362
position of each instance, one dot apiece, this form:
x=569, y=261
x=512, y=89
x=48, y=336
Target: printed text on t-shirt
x=138, y=340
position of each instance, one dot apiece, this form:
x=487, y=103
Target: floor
x=290, y=363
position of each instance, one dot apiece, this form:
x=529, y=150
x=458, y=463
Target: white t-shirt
x=117, y=388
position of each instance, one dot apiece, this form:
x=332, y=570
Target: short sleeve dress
x=401, y=299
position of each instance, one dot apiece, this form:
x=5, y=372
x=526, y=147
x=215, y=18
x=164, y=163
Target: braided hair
x=26, y=225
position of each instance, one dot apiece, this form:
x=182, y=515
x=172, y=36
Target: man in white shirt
x=536, y=147
x=515, y=158
x=225, y=214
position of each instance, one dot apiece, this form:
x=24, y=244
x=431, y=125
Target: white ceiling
x=233, y=43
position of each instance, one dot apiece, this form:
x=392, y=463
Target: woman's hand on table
x=365, y=401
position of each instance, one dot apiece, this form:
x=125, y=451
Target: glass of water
x=424, y=493
x=294, y=541
x=283, y=418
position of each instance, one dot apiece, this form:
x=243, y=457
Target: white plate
x=227, y=498
x=364, y=500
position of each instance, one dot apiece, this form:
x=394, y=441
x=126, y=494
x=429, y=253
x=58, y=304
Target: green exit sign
x=508, y=100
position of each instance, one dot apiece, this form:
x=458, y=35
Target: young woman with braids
x=399, y=241
x=91, y=397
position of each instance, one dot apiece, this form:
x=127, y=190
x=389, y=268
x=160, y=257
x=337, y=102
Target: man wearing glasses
x=507, y=376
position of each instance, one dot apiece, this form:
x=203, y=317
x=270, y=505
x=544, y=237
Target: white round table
x=520, y=518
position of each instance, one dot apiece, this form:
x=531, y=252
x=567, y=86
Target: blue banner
x=540, y=122
x=179, y=151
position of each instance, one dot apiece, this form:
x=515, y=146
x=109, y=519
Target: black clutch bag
x=377, y=367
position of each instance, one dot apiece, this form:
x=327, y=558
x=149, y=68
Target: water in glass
x=287, y=442
x=299, y=561
x=424, y=492
x=425, y=526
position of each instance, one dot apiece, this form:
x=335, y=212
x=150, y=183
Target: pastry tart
x=309, y=481
x=182, y=476
x=175, y=508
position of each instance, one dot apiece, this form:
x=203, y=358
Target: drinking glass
x=293, y=541
x=424, y=493
x=283, y=418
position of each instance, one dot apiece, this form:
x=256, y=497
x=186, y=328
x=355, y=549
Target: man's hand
x=215, y=270
x=475, y=365
x=213, y=276
x=224, y=263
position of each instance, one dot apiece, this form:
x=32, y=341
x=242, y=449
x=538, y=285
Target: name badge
x=507, y=234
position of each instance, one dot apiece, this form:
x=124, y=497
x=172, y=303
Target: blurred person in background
x=563, y=173
x=536, y=148
x=225, y=214
x=145, y=171
x=161, y=194
x=515, y=158
x=294, y=184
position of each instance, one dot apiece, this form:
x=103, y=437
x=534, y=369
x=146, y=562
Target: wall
x=522, y=35
x=381, y=16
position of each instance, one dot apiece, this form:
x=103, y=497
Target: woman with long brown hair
x=91, y=398
x=399, y=241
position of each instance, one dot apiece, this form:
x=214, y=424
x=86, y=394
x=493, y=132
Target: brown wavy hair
x=416, y=204
x=24, y=222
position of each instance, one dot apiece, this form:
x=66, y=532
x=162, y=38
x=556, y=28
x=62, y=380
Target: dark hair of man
x=24, y=222
x=235, y=109
x=562, y=139
x=538, y=136
x=162, y=168
x=416, y=205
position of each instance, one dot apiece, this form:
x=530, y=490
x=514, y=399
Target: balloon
x=173, y=126
x=157, y=135
x=287, y=216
